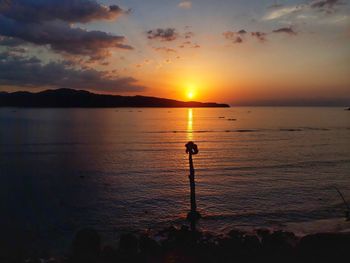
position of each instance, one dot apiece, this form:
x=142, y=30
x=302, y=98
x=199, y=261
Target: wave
x=205, y=131
x=336, y=210
x=307, y=164
x=298, y=129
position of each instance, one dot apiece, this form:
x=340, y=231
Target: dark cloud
x=31, y=73
x=163, y=34
x=62, y=38
x=48, y=23
x=11, y=42
x=15, y=51
x=287, y=30
x=169, y=34
x=5, y=4
x=259, y=35
x=325, y=3
x=82, y=11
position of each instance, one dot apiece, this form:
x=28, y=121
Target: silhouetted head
x=191, y=148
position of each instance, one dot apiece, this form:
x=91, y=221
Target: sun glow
x=190, y=93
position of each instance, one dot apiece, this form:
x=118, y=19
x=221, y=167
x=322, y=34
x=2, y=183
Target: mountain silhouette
x=70, y=98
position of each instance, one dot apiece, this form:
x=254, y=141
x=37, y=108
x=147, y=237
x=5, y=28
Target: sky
x=257, y=52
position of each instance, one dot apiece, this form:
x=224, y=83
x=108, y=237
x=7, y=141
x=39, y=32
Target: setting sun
x=190, y=94
x=190, y=91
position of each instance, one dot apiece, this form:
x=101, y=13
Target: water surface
x=126, y=169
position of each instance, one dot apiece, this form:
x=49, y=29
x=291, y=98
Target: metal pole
x=193, y=215
x=192, y=186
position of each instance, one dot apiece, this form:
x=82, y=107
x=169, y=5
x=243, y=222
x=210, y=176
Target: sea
x=121, y=170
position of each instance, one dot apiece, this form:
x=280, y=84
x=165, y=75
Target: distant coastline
x=70, y=98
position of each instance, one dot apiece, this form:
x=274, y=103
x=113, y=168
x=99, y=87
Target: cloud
x=185, y=4
x=189, y=44
x=280, y=11
x=165, y=49
x=11, y=42
x=61, y=37
x=287, y=30
x=235, y=37
x=163, y=34
x=31, y=73
x=189, y=35
x=283, y=11
x=169, y=34
x=259, y=35
x=325, y=3
x=49, y=23
x=4, y=4
x=242, y=35
x=72, y=11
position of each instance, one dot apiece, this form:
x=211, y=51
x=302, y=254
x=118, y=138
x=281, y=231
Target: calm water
x=126, y=169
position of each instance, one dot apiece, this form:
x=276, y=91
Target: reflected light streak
x=189, y=125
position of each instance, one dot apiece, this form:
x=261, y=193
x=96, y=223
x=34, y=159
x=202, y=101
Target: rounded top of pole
x=191, y=148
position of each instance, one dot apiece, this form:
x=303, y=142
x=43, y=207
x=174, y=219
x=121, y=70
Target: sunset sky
x=233, y=51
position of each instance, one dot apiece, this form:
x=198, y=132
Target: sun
x=190, y=94
x=190, y=91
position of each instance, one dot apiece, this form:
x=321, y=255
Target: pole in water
x=193, y=215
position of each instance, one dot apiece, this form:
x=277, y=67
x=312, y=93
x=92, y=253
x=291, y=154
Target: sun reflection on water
x=189, y=125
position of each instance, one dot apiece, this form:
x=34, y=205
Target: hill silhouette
x=70, y=98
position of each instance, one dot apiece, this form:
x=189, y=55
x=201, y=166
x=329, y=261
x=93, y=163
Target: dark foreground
x=182, y=245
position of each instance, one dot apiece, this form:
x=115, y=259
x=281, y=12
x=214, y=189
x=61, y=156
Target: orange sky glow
x=225, y=51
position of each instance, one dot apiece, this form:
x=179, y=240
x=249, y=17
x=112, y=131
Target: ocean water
x=121, y=170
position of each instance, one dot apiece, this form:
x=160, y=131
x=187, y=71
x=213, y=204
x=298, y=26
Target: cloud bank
x=73, y=11
x=31, y=73
x=49, y=23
